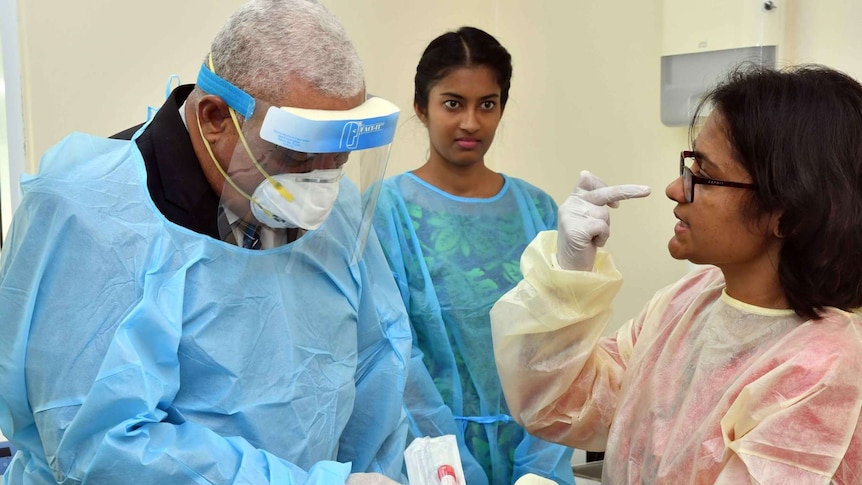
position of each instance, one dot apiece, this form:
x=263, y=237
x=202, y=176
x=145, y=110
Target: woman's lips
x=467, y=143
x=680, y=227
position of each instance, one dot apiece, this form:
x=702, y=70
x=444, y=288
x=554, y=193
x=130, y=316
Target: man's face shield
x=291, y=165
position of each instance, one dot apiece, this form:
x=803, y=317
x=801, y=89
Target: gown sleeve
x=374, y=438
x=560, y=380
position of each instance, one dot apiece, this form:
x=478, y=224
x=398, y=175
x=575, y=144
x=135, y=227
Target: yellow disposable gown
x=699, y=388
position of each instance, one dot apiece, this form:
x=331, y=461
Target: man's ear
x=420, y=113
x=214, y=116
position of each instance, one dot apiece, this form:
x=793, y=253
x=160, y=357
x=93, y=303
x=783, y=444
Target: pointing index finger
x=615, y=193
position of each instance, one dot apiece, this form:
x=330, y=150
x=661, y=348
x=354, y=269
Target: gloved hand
x=369, y=479
x=583, y=220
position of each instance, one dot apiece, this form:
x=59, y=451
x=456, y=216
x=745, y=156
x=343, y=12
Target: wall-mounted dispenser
x=703, y=39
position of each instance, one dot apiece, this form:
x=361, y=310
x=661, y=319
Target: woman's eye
x=488, y=105
x=451, y=104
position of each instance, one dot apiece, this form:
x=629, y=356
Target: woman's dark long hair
x=798, y=133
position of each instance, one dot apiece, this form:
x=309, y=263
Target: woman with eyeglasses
x=748, y=369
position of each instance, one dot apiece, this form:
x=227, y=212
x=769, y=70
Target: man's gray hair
x=265, y=43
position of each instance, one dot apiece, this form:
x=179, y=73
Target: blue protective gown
x=136, y=351
x=453, y=257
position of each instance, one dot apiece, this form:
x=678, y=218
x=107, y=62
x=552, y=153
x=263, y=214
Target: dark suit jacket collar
x=174, y=176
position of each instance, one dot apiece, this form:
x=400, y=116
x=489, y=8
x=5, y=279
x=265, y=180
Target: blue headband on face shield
x=236, y=98
x=371, y=124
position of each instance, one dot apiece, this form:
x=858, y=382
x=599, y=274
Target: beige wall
x=94, y=66
x=585, y=92
x=826, y=32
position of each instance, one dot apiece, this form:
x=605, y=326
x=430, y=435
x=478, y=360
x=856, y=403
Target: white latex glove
x=369, y=479
x=583, y=220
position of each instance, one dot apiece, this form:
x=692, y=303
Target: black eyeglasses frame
x=689, y=180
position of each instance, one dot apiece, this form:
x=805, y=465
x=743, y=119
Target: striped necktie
x=250, y=233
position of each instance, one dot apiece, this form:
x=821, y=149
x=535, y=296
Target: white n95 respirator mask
x=313, y=197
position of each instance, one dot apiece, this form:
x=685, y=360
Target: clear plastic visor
x=305, y=177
